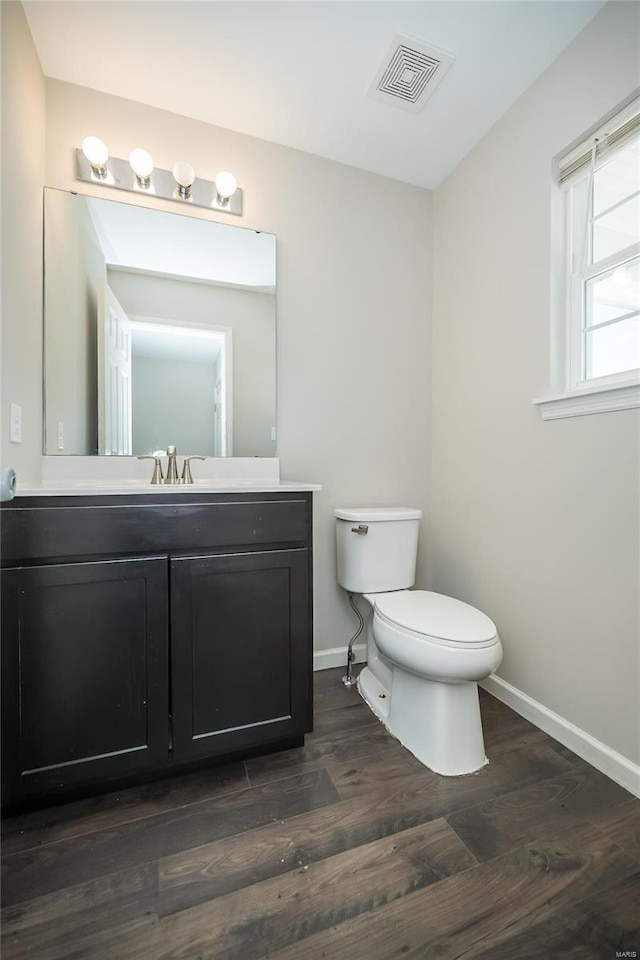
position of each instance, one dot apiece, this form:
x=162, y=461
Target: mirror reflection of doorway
x=181, y=387
x=219, y=422
x=160, y=380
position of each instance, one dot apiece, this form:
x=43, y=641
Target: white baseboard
x=603, y=758
x=337, y=656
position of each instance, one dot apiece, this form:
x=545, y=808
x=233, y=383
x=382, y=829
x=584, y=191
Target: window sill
x=590, y=400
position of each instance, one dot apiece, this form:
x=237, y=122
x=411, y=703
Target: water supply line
x=349, y=680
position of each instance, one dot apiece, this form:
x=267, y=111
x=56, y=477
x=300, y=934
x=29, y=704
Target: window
x=600, y=181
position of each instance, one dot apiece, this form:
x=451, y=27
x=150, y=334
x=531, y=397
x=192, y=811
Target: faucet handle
x=157, y=470
x=186, y=469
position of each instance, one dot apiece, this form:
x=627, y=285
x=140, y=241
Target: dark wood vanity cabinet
x=141, y=634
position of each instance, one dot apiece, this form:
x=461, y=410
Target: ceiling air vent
x=409, y=73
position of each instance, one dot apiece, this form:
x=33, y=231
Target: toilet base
x=374, y=694
x=439, y=723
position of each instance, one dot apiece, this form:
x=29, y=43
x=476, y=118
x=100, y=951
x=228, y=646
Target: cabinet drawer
x=37, y=531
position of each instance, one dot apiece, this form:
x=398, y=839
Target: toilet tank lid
x=374, y=514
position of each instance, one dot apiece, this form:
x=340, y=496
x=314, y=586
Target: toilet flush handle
x=362, y=529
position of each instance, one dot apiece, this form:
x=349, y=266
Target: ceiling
x=297, y=73
x=152, y=241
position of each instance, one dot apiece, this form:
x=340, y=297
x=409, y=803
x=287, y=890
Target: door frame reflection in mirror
x=70, y=361
x=195, y=337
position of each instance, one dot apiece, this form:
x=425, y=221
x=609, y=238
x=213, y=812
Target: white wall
x=535, y=522
x=354, y=292
x=22, y=176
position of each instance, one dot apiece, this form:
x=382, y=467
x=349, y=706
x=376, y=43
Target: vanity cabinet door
x=84, y=673
x=240, y=650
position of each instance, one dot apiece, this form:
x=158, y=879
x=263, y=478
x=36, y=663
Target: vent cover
x=409, y=73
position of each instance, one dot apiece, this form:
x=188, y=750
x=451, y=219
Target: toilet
x=425, y=651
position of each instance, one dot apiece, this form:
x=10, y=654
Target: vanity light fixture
x=94, y=165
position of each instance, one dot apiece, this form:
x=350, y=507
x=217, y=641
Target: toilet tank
x=377, y=548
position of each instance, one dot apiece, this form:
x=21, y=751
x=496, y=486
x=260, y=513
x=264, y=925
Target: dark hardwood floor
x=347, y=848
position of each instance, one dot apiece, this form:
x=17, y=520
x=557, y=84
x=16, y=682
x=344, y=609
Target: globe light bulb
x=97, y=154
x=226, y=186
x=142, y=165
x=184, y=175
x=95, y=150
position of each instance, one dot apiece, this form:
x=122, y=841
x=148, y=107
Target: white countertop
x=67, y=488
x=94, y=476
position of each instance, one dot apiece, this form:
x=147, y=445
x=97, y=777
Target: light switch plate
x=15, y=433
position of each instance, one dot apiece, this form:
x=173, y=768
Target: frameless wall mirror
x=158, y=329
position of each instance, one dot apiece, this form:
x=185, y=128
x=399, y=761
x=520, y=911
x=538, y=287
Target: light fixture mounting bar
x=121, y=176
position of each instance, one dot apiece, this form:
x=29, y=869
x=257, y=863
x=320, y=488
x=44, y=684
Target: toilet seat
x=435, y=618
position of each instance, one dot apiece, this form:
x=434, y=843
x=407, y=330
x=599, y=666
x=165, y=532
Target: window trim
x=594, y=399
x=577, y=283
x=619, y=391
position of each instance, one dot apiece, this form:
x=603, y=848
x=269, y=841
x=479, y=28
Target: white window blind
x=610, y=137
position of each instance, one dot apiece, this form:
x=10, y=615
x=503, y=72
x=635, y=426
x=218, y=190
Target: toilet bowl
x=435, y=649
x=426, y=652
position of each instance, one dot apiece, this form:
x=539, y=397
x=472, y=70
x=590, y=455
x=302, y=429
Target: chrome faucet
x=172, y=468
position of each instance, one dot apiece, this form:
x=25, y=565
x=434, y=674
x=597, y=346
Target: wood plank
x=329, y=691
x=505, y=730
x=232, y=863
x=498, y=825
x=604, y=925
x=286, y=909
x=122, y=806
x=622, y=826
x=58, y=865
x=358, y=740
x=84, y=916
x=446, y=794
x=464, y=912
x=343, y=719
